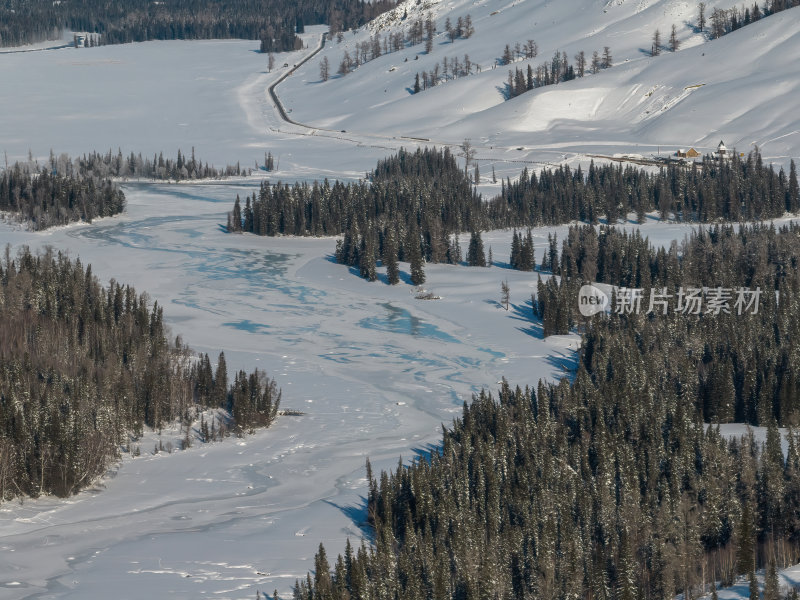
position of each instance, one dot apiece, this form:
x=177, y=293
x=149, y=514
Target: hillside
x=734, y=88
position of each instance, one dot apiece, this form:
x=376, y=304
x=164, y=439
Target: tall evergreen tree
x=475, y=254
x=413, y=253
x=390, y=258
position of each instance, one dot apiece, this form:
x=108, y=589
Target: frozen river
x=375, y=371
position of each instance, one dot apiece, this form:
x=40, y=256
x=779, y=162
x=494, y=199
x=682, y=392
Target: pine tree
x=771, y=583
x=505, y=293
x=514, y=259
x=235, y=222
x=754, y=595
x=674, y=42
x=413, y=252
x=793, y=204
x=745, y=553
x=390, y=259
x=529, y=260
x=322, y=574
x=506, y=58
x=367, y=258
x=475, y=253
x=221, y=381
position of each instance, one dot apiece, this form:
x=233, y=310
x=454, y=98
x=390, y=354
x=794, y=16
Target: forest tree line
x=714, y=189
x=43, y=197
x=556, y=70
x=83, y=367
x=135, y=165
x=64, y=190
x=411, y=205
x=416, y=203
x=613, y=485
x=723, y=21
x=598, y=489
x=274, y=22
x=735, y=367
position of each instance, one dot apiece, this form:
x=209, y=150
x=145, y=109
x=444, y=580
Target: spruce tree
x=367, y=256
x=793, y=205
x=771, y=583
x=745, y=552
x=475, y=254
x=220, y=381
x=528, y=257
x=514, y=260
x=236, y=217
x=390, y=258
x=413, y=252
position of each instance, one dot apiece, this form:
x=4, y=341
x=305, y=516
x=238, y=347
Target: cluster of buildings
x=721, y=152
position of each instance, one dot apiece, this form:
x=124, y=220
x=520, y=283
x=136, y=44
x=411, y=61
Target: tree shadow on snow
x=692, y=25
x=426, y=452
x=524, y=312
x=357, y=513
x=566, y=364
x=503, y=91
x=405, y=277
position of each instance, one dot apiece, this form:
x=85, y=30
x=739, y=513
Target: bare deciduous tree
x=655, y=48
x=468, y=152
x=701, y=16
x=531, y=49
x=580, y=63
x=674, y=42
x=607, y=61
x=324, y=69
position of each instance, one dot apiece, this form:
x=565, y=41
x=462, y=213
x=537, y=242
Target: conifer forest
x=400, y=300
x=84, y=368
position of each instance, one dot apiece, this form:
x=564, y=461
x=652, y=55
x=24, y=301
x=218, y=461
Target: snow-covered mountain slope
x=738, y=88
